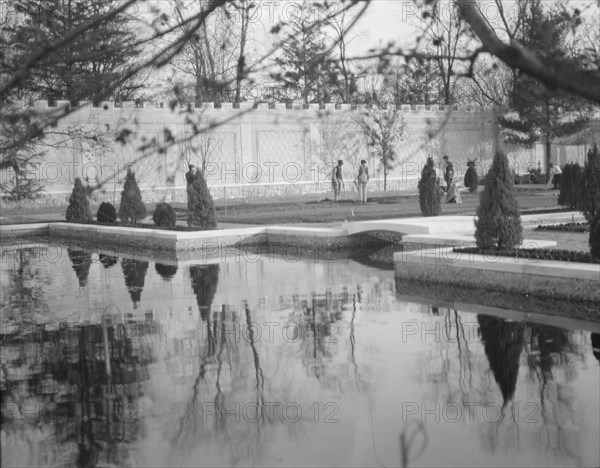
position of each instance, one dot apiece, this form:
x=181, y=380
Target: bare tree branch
x=552, y=72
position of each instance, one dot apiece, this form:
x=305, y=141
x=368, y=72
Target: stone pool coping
x=463, y=240
x=194, y=241
x=441, y=230
x=570, y=281
x=509, y=314
x=445, y=225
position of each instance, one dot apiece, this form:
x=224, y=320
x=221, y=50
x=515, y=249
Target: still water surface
x=270, y=361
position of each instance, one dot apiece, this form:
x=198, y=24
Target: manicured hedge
x=164, y=215
x=106, y=213
x=539, y=254
x=568, y=227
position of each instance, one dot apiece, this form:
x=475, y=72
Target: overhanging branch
x=551, y=72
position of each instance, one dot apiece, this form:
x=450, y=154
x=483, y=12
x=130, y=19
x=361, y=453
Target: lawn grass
x=314, y=208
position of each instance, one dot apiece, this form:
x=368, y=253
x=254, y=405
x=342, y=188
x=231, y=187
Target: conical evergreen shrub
x=590, y=194
x=571, y=183
x=201, y=207
x=79, y=204
x=595, y=236
x=132, y=208
x=430, y=193
x=498, y=222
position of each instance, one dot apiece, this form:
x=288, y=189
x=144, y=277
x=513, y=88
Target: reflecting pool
x=269, y=360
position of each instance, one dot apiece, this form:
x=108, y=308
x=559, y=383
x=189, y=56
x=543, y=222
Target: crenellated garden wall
x=262, y=150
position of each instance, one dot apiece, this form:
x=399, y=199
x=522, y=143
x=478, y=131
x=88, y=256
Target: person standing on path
x=189, y=175
x=361, y=181
x=447, y=171
x=337, y=180
x=555, y=174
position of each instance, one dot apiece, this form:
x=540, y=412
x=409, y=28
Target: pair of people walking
x=361, y=180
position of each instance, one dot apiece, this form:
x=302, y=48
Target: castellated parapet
x=276, y=106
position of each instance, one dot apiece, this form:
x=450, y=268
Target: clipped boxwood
x=106, y=213
x=164, y=215
x=537, y=254
x=567, y=227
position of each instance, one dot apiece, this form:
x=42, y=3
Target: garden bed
x=546, y=210
x=138, y=225
x=562, y=255
x=568, y=227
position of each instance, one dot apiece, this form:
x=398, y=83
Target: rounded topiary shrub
x=201, y=207
x=164, y=215
x=595, y=237
x=498, y=223
x=430, y=193
x=132, y=208
x=79, y=204
x=106, y=213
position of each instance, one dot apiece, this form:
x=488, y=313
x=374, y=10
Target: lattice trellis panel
x=338, y=140
x=285, y=148
x=221, y=156
x=150, y=167
x=411, y=153
x=521, y=159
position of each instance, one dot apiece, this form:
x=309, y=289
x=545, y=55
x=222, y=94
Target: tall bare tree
x=383, y=129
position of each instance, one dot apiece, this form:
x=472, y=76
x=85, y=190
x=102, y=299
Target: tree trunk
x=199, y=89
x=239, y=74
x=548, y=151
x=384, y=170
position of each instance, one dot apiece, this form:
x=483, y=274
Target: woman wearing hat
x=337, y=181
x=361, y=181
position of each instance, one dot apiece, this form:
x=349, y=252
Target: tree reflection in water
x=595, y=338
x=135, y=275
x=535, y=354
x=68, y=410
x=81, y=261
x=166, y=272
x=549, y=353
x=108, y=260
x=231, y=377
x=313, y=324
x=503, y=342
